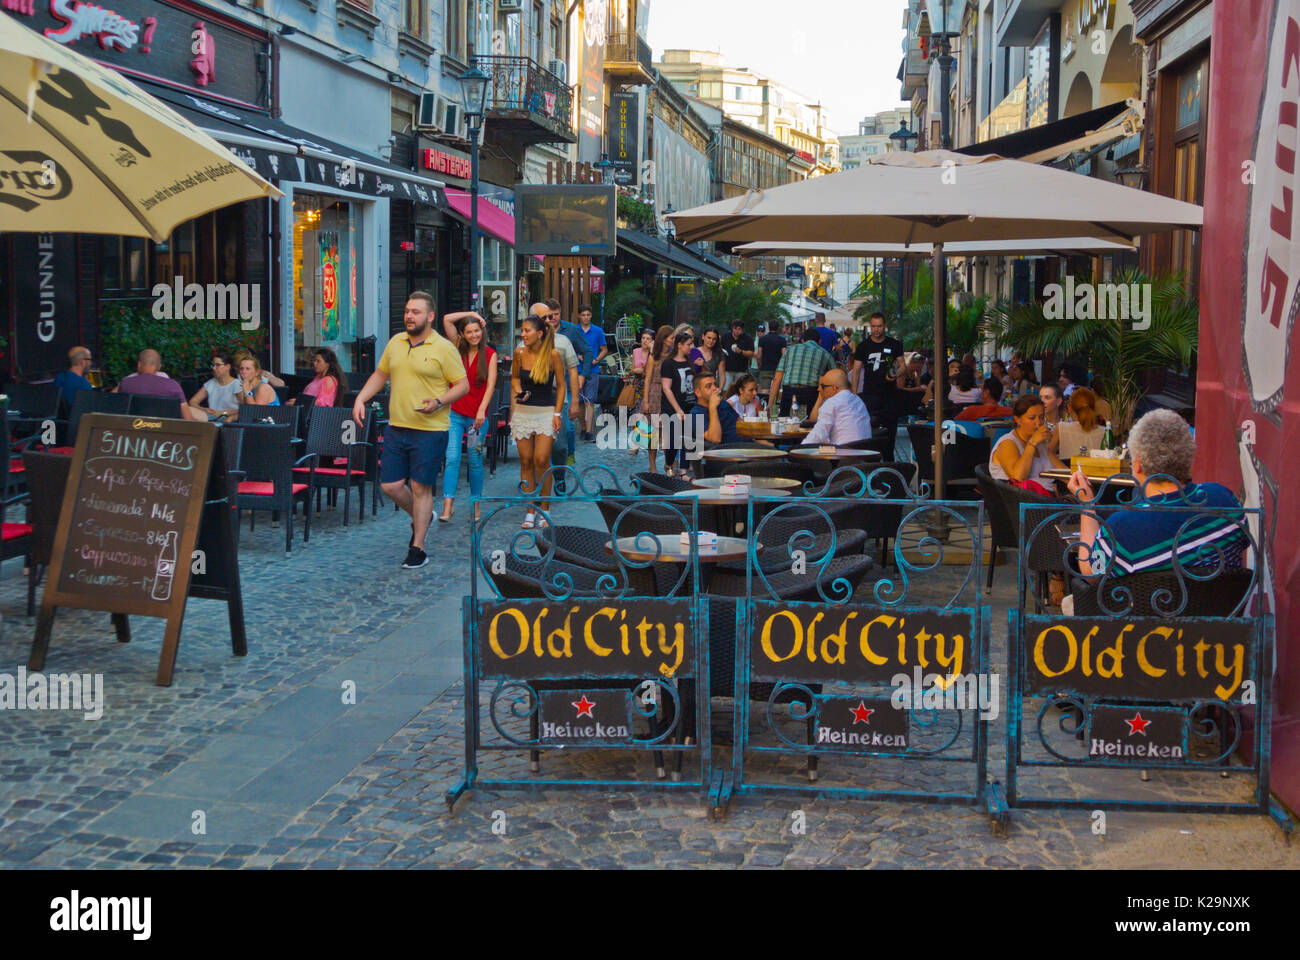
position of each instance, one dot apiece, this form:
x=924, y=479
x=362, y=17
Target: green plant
x=186, y=345
x=626, y=299
x=1114, y=349
x=739, y=298
x=965, y=325
x=635, y=212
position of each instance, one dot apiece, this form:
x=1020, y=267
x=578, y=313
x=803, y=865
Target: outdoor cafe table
x=757, y=483
x=762, y=430
x=672, y=550
x=840, y=455
x=742, y=454
x=1118, y=482
x=727, y=503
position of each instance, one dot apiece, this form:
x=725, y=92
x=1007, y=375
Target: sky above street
x=843, y=52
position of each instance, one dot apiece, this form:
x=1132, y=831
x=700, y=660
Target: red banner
x=1248, y=394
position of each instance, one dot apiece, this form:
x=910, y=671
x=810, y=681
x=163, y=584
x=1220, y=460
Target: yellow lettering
x=1201, y=648
x=1087, y=652
x=677, y=647
x=812, y=637
x=1116, y=654
x=1144, y=664
x=565, y=633
x=952, y=665
x=1235, y=671
x=1041, y=663
x=864, y=640
x=641, y=629
x=494, y=638
x=537, y=633
x=921, y=637
x=765, y=639
x=837, y=640
x=592, y=645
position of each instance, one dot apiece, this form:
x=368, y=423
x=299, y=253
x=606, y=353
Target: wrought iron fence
x=520, y=84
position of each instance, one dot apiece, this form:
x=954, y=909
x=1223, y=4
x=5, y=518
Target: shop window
x=327, y=235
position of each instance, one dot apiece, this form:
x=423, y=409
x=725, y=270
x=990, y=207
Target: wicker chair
x=92, y=401
x=1047, y=550
x=584, y=547
x=327, y=438
x=49, y=478
x=775, y=557
x=656, y=518
x=1219, y=597
x=285, y=416
x=661, y=485
x=1003, y=527
x=154, y=408
x=35, y=403
x=785, y=469
x=268, y=463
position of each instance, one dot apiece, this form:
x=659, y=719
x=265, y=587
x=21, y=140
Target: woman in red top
x=468, y=414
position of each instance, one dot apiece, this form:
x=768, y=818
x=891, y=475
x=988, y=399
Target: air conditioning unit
x=559, y=68
x=510, y=6
x=429, y=116
x=452, y=119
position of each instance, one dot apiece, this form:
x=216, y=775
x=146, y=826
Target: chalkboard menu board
x=129, y=522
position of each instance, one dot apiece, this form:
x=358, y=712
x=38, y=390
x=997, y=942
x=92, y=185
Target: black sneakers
x=415, y=559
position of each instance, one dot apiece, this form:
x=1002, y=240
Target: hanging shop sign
x=154, y=39
x=623, y=137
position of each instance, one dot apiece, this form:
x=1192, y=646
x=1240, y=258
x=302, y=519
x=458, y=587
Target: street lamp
x=903, y=137
x=670, y=228
x=945, y=23
x=473, y=98
x=606, y=168
x=1134, y=177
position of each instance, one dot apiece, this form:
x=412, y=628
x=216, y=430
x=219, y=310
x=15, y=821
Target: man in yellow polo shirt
x=427, y=377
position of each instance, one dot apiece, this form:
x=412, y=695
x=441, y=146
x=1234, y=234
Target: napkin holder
x=704, y=539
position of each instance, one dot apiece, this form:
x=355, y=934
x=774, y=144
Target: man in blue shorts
x=427, y=377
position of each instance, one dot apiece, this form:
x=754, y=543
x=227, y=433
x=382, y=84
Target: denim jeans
x=461, y=426
x=561, y=451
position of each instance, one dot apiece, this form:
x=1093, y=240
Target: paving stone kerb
x=287, y=774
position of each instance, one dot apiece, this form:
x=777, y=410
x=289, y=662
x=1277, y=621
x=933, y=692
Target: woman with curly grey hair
x=1142, y=539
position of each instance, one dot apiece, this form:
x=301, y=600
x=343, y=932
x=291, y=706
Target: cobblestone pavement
x=263, y=753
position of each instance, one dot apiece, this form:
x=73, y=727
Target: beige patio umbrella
x=938, y=197
x=84, y=150
x=1063, y=246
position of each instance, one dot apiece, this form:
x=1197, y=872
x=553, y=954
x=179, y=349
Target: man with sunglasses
x=841, y=415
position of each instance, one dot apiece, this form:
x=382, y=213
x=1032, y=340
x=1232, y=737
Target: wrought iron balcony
x=526, y=102
x=627, y=57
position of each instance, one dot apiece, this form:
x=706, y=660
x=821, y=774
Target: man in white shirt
x=841, y=415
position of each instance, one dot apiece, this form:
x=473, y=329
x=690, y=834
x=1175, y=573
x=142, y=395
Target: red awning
x=492, y=219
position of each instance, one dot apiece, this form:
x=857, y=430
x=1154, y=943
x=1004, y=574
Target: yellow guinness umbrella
x=84, y=150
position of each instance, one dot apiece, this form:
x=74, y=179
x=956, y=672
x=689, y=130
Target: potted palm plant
x=1117, y=350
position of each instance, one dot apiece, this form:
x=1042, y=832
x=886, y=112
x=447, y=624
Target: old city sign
x=820, y=643
x=1141, y=659
x=450, y=164
x=523, y=639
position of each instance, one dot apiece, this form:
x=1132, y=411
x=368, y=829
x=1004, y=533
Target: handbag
x=627, y=396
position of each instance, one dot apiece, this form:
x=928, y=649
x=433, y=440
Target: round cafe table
x=839, y=455
x=728, y=505
x=742, y=454
x=757, y=483
x=762, y=430
x=672, y=550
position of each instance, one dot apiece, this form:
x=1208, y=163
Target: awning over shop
x=1051, y=140
x=279, y=151
x=672, y=255
x=492, y=219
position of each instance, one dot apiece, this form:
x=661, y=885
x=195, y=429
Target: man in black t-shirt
x=770, y=347
x=738, y=348
x=874, y=361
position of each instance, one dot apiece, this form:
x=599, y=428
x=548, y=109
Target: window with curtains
x=453, y=33
x=415, y=18
x=480, y=28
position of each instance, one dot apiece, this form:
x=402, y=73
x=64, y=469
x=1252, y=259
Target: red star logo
x=860, y=713
x=1137, y=724
x=584, y=706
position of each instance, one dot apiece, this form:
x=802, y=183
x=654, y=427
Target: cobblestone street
x=280, y=772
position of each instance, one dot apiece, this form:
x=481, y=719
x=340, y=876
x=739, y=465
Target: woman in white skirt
x=537, y=397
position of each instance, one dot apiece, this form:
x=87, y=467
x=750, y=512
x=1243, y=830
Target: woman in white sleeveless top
x=1023, y=454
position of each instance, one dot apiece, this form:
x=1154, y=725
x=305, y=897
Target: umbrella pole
x=940, y=372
